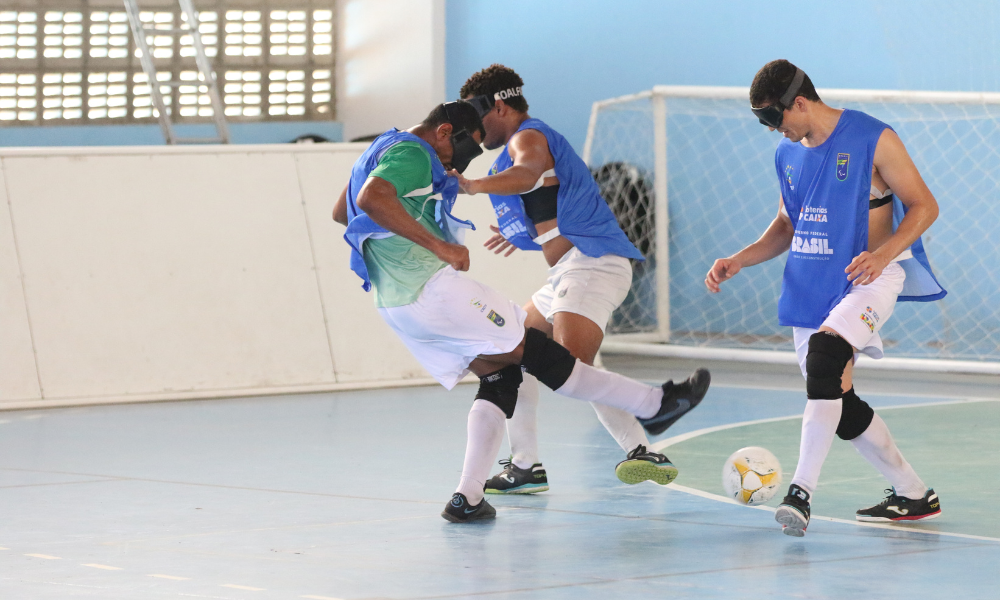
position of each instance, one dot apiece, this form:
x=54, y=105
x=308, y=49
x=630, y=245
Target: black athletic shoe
x=793, y=512
x=901, y=509
x=459, y=511
x=678, y=399
x=643, y=465
x=515, y=480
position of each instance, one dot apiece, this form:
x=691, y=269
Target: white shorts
x=586, y=286
x=454, y=320
x=859, y=317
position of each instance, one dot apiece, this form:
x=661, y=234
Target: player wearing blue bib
x=546, y=199
x=406, y=248
x=852, y=209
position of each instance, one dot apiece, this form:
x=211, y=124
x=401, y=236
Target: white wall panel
x=190, y=272
x=167, y=272
x=517, y=276
x=364, y=347
x=18, y=377
x=390, y=63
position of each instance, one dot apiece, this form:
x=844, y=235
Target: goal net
x=690, y=174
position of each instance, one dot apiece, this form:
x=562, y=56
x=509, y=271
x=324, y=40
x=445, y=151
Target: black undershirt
x=874, y=203
x=540, y=204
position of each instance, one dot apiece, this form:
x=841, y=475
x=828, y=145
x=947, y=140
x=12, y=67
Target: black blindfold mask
x=483, y=104
x=464, y=147
x=773, y=115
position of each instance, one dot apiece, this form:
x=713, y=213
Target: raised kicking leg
x=555, y=367
x=582, y=337
x=524, y=473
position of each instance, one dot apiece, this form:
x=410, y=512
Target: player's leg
x=582, y=337
x=869, y=309
x=458, y=325
x=828, y=357
x=524, y=473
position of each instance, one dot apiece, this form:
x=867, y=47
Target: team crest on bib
x=843, y=159
x=497, y=319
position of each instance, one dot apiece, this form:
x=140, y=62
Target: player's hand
x=721, y=270
x=499, y=243
x=466, y=185
x=865, y=268
x=454, y=254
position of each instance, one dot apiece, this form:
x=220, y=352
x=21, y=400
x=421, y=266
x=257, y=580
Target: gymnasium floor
x=337, y=496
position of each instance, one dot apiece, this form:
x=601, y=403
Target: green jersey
x=398, y=268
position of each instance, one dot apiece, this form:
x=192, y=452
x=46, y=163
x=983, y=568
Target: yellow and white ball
x=751, y=475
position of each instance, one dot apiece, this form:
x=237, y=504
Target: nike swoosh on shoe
x=683, y=405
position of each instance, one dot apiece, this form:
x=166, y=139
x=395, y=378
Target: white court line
x=105, y=567
x=45, y=556
x=242, y=587
x=657, y=447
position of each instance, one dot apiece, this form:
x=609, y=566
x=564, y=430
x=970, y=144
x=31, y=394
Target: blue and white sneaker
x=515, y=480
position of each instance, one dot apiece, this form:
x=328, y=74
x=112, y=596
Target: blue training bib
x=582, y=215
x=825, y=191
x=360, y=226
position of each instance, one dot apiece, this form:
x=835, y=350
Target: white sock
x=522, y=428
x=819, y=425
x=878, y=448
x=485, y=436
x=612, y=389
x=622, y=426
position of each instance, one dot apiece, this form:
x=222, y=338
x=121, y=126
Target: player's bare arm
x=775, y=241
x=895, y=167
x=340, y=208
x=379, y=201
x=530, y=152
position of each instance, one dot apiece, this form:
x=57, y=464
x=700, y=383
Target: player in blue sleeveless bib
x=397, y=209
x=546, y=199
x=853, y=207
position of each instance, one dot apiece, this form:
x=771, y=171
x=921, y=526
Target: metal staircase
x=206, y=76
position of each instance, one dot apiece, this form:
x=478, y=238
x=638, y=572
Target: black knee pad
x=828, y=356
x=546, y=359
x=500, y=388
x=855, y=417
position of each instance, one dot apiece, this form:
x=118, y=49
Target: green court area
x=955, y=448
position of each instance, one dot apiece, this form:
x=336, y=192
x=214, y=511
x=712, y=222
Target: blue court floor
x=330, y=496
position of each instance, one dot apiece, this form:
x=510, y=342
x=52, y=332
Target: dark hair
x=493, y=79
x=464, y=117
x=772, y=81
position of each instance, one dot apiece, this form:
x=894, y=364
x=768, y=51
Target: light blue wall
x=573, y=52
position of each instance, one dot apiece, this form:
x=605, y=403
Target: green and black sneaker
x=900, y=509
x=643, y=465
x=515, y=480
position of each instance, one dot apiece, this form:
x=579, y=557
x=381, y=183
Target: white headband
x=508, y=93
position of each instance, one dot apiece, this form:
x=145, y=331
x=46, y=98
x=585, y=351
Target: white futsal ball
x=751, y=475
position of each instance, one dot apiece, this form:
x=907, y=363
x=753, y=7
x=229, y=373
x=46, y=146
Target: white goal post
x=689, y=173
